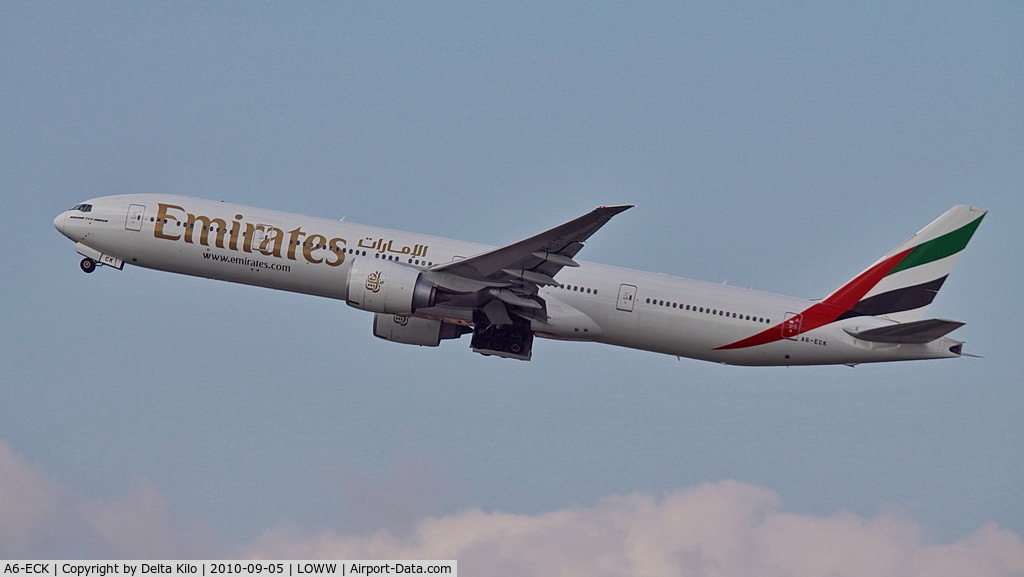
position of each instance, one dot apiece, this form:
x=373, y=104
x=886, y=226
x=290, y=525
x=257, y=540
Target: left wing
x=507, y=279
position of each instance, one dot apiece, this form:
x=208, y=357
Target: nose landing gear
x=94, y=258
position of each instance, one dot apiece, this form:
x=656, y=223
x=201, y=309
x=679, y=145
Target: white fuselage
x=593, y=302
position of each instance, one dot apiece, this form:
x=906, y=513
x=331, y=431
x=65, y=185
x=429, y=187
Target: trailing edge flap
x=545, y=253
x=514, y=272
x=916, y=332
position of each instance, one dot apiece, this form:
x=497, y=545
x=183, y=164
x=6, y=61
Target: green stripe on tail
x=939, y=248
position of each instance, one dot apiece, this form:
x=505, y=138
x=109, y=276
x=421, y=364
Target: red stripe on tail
x=828, y=310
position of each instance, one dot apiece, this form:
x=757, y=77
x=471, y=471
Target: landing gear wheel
x=87, y=264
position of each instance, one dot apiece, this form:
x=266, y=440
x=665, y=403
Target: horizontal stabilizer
x=916, y=332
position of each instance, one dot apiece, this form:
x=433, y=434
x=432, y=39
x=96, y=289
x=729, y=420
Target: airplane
x=425, y=289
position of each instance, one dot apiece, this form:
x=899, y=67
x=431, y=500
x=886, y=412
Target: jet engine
x=415, y=331
x=384, y=286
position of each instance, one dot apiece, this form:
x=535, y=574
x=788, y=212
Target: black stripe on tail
x=894, y=301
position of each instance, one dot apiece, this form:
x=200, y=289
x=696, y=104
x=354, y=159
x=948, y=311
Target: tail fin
x=902, y=284
x=899, y=286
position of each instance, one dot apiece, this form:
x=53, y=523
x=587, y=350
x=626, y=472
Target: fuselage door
x=136, y=212
x=259, y=237
x=627, y=296
x=791, y=326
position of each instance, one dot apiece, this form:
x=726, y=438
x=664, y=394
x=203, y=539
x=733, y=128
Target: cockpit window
x=83, y=207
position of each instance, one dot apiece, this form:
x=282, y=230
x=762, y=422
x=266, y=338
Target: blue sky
x=782, y=147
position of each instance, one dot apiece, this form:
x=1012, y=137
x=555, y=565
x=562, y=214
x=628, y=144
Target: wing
x=507, y=279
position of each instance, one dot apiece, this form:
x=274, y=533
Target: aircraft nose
x=59, y=221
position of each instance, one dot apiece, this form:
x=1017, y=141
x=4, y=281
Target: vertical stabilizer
x=902, y=284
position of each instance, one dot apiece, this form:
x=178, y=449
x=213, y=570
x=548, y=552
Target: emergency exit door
x=627, y=296
x=136, y=212
x=791, y=325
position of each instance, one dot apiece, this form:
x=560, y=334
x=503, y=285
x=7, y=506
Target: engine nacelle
x=415, y=331
x=384, y=286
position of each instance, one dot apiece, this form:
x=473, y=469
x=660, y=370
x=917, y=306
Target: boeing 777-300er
x=424, y=289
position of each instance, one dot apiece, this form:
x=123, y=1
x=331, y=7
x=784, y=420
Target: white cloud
x=38, y=520
x=31, y=507
x=716, y=529
x=413, y=488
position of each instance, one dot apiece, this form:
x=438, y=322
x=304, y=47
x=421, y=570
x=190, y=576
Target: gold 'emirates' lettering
x=269, y=239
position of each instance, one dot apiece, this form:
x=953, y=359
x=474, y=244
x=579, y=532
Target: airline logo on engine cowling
x=375, y=281
x=240, y=235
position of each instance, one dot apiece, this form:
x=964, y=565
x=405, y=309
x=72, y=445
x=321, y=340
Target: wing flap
x=916, y=332
x=506, y=280
x=556, y=247
x=558, y=259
